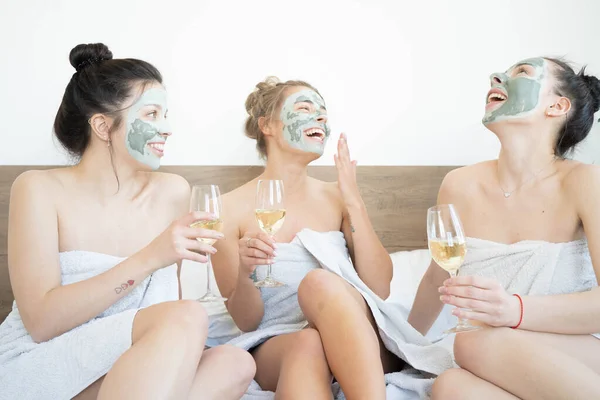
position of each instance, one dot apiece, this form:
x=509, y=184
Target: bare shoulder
x=237, y=202
x=46, y=183
x=173, y=191
x=172, y=184
x=581, y=180
x=463, y=180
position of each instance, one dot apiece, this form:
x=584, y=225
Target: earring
x=108, y=143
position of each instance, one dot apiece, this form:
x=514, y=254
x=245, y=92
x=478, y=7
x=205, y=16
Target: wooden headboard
x=396, y=197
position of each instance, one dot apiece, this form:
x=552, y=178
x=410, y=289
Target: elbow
x=248, y=324
x=383, y=292
x=39, y=332
x=39, y=327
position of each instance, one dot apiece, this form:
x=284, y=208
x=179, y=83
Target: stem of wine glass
x=461, y=322
x=208, y=268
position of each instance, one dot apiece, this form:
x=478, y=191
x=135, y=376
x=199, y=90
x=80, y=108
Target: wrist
x=516, y=312
x=147, y=262
x=355, y=206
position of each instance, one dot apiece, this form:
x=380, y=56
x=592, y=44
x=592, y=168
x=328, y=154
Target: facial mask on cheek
x=523, y=92
x=297, y=122
x=140, y=133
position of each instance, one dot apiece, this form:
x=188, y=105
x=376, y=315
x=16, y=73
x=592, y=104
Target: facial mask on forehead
x=141, y=133
x=523, y=91
x=300, y=127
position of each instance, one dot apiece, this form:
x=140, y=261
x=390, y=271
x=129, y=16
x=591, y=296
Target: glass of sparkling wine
x=270, y=214
x=207, y=198
x=448, y=247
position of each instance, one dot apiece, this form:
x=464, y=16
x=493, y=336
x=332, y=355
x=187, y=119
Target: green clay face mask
x=146, y=123
x=300, y=115
x=516, y=92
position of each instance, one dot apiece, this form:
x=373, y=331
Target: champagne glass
x=270, y=214
x=448, y=247
x=207, y=198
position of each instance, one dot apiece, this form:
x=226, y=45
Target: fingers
x=194, y=216
x=476, y=281
x=475, y=316
x=253, y=261
x=471, y=304
x=199, y=247
x=343, y=152
x=194, y=233
x=469, y=292
x=192, y=256
x=261, y=242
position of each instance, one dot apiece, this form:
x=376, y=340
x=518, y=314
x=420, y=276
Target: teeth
x=497, y=96
x=315, y=131
x=157, y=146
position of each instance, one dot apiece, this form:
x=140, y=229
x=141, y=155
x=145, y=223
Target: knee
x=317, y=286
x=241, y=366
x=307, y=343
x=449, y=385
x=473, y=350
x=188, y=318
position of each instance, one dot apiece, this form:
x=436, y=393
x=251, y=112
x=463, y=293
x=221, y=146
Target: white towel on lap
x=527, y=268
x=62, y=367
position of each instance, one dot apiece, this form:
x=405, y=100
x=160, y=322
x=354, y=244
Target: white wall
x=406, y=80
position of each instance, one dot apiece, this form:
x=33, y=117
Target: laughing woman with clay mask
x=287, y=333
x=94, y=252
x=533, y=252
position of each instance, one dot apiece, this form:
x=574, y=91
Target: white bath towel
x=62, y=367
x=527, y=268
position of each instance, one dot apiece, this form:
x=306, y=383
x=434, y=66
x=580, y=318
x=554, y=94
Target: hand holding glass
x=448, y=247
x=207, y=198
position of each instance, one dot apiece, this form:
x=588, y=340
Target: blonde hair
x=263, y=102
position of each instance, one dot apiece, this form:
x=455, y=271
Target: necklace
x=507, y=194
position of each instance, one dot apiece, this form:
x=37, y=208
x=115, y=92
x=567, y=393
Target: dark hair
x=584, y=93
x=100, y=84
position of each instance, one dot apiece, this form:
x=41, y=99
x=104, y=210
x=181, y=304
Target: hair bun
x=84, y=55
x=594, y=85
x=255, y=98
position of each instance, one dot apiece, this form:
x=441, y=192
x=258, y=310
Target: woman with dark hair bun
x=532, y=264
x=95, y=251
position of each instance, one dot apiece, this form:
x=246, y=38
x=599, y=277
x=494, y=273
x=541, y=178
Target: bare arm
x=244, y=302
x=49, y=309
x=371, y=260
x=427, y=305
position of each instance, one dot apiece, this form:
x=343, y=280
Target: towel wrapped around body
x=62, y=367
x=527, y=268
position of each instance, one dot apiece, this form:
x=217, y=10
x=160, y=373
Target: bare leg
x=224, y=373
x=168, y=340
x=294, y=366
x=344, y=322
x=532, y=365
x=91, y=392
x=459, y=384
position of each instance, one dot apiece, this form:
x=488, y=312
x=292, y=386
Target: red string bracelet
x=521, y=303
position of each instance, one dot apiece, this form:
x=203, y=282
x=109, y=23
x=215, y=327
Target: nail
x=441, y=289
x=270, y=261
x=442, y=299
x=274, y=254
x=220, y=235
x=274, y=245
